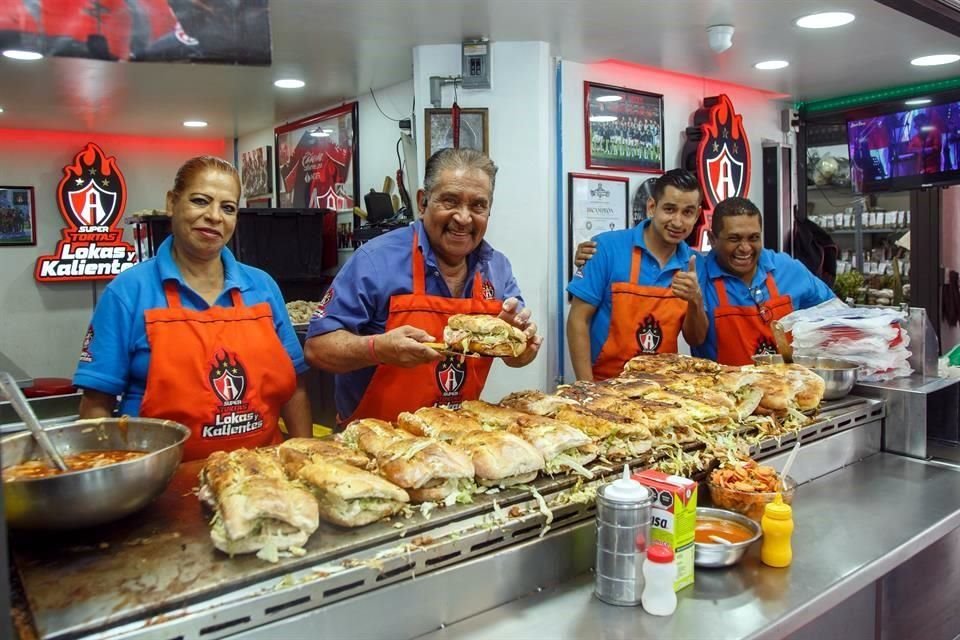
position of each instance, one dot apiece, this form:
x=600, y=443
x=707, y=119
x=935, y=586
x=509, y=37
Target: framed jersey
x=316, y=160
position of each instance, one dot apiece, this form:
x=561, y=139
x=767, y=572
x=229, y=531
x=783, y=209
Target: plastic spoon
x=12, y=392
x=720, y=540
x=786, y=467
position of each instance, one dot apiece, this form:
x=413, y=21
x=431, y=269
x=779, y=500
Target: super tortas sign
x=91, y=197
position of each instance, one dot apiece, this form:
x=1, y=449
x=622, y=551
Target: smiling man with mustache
x=398, y=290
x=746, y=287
x=640, y=290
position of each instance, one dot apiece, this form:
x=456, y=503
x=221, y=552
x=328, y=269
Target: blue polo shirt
x=791, y=276
x=116, y=356
x=591, y=283
x=359, y=298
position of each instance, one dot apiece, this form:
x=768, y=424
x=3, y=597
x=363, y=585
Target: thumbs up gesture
x=686, y=285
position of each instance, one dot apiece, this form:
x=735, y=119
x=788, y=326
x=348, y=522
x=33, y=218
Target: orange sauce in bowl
x=75, y=462
x=732, y=531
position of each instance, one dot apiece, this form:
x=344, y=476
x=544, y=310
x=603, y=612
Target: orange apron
x=450, y=381
x=643, y=320
x=223, y=372
x=741, y=332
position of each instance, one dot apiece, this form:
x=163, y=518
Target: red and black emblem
x=228, y=379
x=85, y=354
x=451, y=373
x=93, y=192
x=649, y=335
x=488, y=291
x=765, y=347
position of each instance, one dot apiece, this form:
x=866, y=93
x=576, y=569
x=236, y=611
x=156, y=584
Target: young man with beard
x=746, y=287
x=398, y=290
x=640, y=290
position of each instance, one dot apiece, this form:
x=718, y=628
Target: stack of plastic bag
x=872, y=337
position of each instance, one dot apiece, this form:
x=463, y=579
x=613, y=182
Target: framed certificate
x=595, y=204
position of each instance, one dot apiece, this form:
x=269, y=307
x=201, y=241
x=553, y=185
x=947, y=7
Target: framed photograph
x=317, y=162
x=438, y=134
x=623, y=127
x=259, y=203
x=594, y=204
x=256, y=171
x=18, y=217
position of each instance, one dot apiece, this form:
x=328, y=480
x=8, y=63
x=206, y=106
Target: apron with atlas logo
x=643, y=320
x=742, y=332
x=450, y=381
x=223, y=372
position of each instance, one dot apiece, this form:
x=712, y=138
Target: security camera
x=720, y=37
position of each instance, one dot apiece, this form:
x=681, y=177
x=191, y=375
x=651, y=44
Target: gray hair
x=458, y=159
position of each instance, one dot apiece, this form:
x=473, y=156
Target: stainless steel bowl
x=712, y=555
x=838, y=375
x=94, y=496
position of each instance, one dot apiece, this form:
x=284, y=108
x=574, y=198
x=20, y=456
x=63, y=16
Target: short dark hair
x=733, y=207
x=679, y=179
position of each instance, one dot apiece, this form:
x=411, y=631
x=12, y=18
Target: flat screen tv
x=905, y=149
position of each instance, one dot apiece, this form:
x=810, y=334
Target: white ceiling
x=344, y=47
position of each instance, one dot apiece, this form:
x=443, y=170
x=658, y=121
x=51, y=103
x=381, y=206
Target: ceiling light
x=289, y=83
x=934, y=60
x=916, y=101
x=320, y=133
x=826, y=20
x=194, y=123
x=22, y=54
x=768, y=65
x=609, y=98
x=1, y=109
x=603, y=118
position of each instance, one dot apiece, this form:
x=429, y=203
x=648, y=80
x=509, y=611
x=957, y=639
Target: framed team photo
x=623, y=127
x=18, y=217
x=256, y=171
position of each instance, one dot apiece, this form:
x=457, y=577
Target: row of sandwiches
x=274, y=499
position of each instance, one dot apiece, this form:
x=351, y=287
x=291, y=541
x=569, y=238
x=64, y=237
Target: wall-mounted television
x=905, y=149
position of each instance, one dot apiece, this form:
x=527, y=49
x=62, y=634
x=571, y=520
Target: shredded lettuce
x=565, y=461
x=544, y=509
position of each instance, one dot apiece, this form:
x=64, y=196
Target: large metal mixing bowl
x=93, y=496
x=838, y=375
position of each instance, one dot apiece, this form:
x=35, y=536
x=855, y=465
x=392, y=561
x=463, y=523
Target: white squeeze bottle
x=659, y=573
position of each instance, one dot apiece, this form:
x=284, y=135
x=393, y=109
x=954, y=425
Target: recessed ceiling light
x=934, y=60
x=916, y=101
x=768, y=65
x=1, y=109
x=609, y=98
x=289, y=83
x=194, y=123
x=826, y=20
x=603, y=118
x=22, y=54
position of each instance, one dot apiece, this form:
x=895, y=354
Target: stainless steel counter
x=853, y=526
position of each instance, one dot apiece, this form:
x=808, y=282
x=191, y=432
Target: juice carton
x=674, y=517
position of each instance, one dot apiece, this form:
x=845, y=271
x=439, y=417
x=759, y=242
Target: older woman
x=194, y=336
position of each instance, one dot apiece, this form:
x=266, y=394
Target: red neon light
x=716, y=86
x=182, y=147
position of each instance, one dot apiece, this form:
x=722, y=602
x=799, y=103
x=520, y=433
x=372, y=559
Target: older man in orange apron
x=641, y=289
x=398, y=290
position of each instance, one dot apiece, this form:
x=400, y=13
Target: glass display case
x=871, y=232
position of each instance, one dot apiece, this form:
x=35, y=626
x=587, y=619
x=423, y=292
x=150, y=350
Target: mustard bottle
x=777, y=525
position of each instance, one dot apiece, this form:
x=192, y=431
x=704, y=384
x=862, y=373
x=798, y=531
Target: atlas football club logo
x=451, y=374
x=228, y=379
x=649, y=335
x=765, y=347
x=488, y=290
x=599, y=193
x=723, y=152
x=91, y=196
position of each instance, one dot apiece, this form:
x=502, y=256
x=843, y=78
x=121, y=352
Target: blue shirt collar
x=233, y=275
x=764, y=265
x=481, y=254
x=678, y=260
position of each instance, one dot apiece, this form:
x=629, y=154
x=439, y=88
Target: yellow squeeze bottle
x=777, y=525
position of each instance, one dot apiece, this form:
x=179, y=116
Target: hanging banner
x=91, y=197
x=718, y=151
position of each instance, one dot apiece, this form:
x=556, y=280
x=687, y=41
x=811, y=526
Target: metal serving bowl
x=712, y=555
x=93, y=496
x=839, y=376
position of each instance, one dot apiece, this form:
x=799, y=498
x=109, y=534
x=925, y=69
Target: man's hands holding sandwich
x=520, y=318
